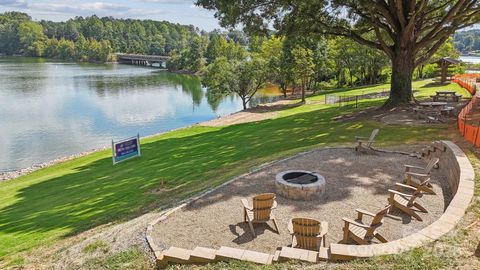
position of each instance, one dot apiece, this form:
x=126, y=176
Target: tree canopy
x=468, y=42
x=409, y=32
x=243, y=77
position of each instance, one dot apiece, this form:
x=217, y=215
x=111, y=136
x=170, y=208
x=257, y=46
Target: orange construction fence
x=469, y=132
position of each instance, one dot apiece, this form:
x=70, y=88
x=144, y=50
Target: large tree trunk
x=403, y=65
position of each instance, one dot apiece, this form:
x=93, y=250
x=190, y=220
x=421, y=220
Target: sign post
x=126, y=149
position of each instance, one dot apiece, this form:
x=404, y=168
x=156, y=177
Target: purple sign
x=125, y=149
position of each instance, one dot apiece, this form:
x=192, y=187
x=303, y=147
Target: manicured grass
x=72, y=197
x=422, y=89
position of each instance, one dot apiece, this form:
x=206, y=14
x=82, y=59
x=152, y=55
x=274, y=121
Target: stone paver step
x=324, y=254
x=276, y=257
x=288, y=253
x=226, y=253
x=203, y=255
x=257, y=257
x=177, y=255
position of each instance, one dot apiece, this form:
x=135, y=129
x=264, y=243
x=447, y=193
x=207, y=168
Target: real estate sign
x=125, y=149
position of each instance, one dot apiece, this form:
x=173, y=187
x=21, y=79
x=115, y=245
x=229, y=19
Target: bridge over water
x=143, y=60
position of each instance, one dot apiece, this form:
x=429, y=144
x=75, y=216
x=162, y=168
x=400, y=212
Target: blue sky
x=177, y=11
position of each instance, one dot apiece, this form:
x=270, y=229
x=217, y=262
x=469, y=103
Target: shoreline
x=9, y=175
x=229, y=119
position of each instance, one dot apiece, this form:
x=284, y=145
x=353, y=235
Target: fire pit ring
x=300, y=185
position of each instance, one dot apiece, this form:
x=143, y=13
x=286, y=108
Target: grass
x=97, y=245
x=422, y=89
x=133, y=258
x=69, y=198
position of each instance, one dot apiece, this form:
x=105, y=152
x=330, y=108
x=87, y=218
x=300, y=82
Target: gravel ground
x=352, y=181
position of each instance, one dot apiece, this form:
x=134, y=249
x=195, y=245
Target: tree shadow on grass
x=435, y=84
x=92, y=193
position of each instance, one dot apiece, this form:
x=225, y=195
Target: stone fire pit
x=300, y=185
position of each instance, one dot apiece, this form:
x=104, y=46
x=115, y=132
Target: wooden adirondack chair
x=406, y=202
x=423, y=186
x=261, y=211
x=362, y=233
x=307, y=233
x=364, y=142
x=421, y=178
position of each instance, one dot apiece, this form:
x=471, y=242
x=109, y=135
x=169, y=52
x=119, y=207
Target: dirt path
x=259, y=113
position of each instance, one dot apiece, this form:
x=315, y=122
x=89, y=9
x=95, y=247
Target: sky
x=176, y=11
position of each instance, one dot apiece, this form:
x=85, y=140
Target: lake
x=52, y=109
x=470, y=59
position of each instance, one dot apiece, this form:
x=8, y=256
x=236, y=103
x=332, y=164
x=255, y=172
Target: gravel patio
x=352, y=181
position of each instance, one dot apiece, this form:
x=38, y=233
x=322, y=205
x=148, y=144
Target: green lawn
x=422, y=89
x=72, y=197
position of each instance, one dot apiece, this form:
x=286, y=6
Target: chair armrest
x=353, y=222
x=360, y=137
x=413, y=167
x=405, y=186
x=323, y=228
x=417, y=174
x=245, y=204
x=391, y=191
x=364, y=212
x=290, y=226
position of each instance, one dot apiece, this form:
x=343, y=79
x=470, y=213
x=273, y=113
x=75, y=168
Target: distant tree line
x=468, y=42
x=90, y=38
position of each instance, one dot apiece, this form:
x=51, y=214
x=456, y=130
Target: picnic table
x=434, y=111
x=446, y=96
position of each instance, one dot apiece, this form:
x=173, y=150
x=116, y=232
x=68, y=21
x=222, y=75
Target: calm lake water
x=54, y=109
x=470, y=59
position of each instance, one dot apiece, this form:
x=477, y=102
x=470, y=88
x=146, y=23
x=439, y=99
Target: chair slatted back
x=372, y=137
x=431, y=164
x=380, y=215
x=306, y=231
x=416, y=194
x=262, y=206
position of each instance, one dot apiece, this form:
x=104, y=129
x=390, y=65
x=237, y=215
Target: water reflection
x=52, y=109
